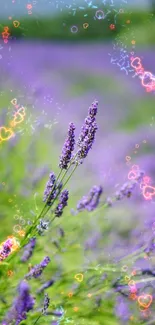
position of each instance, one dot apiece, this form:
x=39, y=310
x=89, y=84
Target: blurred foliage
x=58, y=28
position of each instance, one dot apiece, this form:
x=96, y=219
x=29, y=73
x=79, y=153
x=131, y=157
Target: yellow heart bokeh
x=145, y=300
x=79, y=277
x=5, y=134
x=16, y=23
x=18, y=118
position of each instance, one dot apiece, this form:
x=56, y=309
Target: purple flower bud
x=50, y=187
x=96, y=193
x=126, y=190
x=46, y=303
x=68, y=148
x=42, y=226
x=88, y=122
x=93, y=109
x=45, y=262
x=22, y=304
x=91, y=201
x=62, y=203
x=37, y=270
x=140, y=176
x=87, y=143
x=88, y=131
x=28, y=250
x=46, y=285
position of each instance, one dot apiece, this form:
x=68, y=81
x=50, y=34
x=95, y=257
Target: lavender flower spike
x=87, y=135
x=37, y=270
x=28, y=250
x=46, y=303
x=46, y=285
x=127, y=189
x=62, y=203
x=68, y=148
x=88, y=122
x=91, y=201
x=50, y=187
x=22, y=304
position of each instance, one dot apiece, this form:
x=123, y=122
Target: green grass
x=139, y=115
x=57, y=28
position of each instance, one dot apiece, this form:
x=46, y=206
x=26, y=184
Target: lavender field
x=106, y=239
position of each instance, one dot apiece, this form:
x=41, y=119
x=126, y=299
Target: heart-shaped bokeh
x=22, y=111
x=132, y=174
x=147, y=79
x=145, y=300
x=79, y=277
x=148, y=192
x=5, y=134
x=18, y=118
x=136, y=63
x=16, y=23
x=135, y=167
x=14, y=101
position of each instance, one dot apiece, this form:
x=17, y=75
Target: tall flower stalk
x=70, y=158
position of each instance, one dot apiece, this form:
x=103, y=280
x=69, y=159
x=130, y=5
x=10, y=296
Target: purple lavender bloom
x=62, y=203
x=140, y=175
x=88, y=131
x=23, y=304
x=126, y=190
x=28, y=250
x=50, y=186
x=88, y=122
x=93, y=109
x=68, y=147
x=90, y=202
x=37, y=270
x=46, y=285
x=43, y=225
x=97, y=191
x=122, y=310
x=46, y=303
x=87, y=143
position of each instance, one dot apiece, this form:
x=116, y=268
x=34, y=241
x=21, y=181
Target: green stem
x=37, y=320
x=137, y=252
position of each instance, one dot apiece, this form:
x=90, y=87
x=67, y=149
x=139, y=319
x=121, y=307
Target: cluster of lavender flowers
x=127, y=189
x=56, y=194
x=54, y=187
x=21, y=306
x=54, y=191
x=25, y=302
